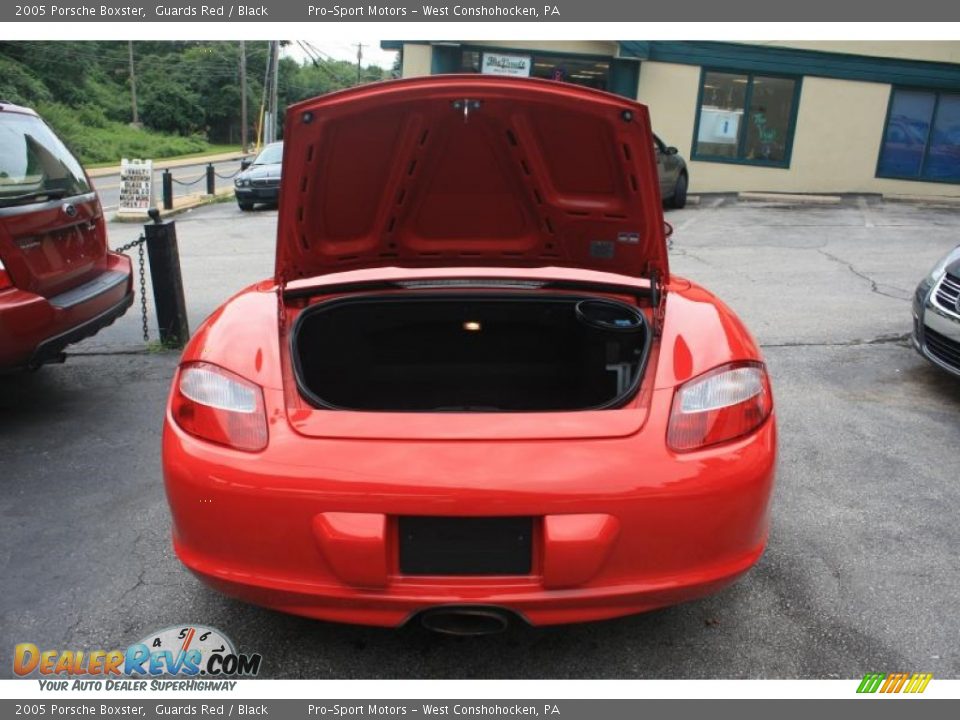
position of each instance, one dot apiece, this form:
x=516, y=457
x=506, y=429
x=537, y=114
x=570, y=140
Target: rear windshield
x=34, y=164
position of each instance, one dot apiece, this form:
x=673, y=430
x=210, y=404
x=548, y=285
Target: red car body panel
x=621, y=523
x=428, y=172
x=66, y=283
x=681, y=525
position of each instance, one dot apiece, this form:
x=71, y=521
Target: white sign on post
x=498, y=64
x=136, y=186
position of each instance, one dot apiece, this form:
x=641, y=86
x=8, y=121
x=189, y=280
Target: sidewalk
x=172, y=163
x=181, y=204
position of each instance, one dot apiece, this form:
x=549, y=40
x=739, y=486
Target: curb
x=172, y=163
x=186, y=203
x=945, y=200
x=789, y=197
x=871, y=199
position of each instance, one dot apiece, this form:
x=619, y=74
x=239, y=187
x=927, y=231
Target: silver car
x=936, y=314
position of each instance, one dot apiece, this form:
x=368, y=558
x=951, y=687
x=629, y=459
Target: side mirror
x=245, y=163
x=671, y=151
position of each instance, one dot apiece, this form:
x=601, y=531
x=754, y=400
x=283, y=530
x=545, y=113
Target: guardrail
x=210, y=174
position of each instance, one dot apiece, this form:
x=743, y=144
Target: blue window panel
x=943, y=155
x=908, y=128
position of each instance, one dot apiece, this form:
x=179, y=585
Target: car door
x=668, y=167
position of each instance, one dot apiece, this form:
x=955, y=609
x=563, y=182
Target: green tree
x=169, y=105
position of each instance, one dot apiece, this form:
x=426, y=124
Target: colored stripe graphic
x=870, y=683
x=894, y=682
x=918, y=683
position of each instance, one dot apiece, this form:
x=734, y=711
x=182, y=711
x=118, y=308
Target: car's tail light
x=5, y=281
x=216, y=405
x=722, y=405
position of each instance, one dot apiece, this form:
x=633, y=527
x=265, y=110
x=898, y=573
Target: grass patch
x=213, y=149
x=95, y=139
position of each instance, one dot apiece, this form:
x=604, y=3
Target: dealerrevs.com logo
x=188, y=653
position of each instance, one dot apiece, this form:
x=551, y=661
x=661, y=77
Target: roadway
x=109, y=185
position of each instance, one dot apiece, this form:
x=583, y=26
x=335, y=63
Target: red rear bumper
x=35, y=329
x=622, y=525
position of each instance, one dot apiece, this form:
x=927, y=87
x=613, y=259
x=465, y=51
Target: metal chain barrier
x=227, y=177
x=186, y=183
x=138, y=243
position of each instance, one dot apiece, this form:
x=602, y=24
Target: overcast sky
x=346, y=49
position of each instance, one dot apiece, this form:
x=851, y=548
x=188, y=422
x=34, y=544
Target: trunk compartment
x=465, y=353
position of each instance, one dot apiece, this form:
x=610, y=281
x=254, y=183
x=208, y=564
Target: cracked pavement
x=860, y=573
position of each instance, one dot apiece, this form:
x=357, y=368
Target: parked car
x=473, y=391
x=673, y=174
x=936, y=314
x=59, y=283
x=259, y=179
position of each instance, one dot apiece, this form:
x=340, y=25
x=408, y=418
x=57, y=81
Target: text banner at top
x=479, y=11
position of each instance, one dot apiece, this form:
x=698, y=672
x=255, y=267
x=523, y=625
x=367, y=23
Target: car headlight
x=241, y=182
x=941, y=267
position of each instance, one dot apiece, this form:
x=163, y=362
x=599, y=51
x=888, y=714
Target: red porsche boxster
x=472, y=391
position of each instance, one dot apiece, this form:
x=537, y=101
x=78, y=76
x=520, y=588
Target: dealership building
x=877, y=117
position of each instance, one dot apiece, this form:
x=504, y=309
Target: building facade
x=873, y=117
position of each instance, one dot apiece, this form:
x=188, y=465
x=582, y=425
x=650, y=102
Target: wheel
x=679, y=197
x=245, y=206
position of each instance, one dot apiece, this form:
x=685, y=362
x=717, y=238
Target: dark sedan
x=672, y=170
x=259, y=181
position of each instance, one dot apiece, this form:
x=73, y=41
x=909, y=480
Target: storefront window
x=922, y=137
x=745, y=118
x=594, y=73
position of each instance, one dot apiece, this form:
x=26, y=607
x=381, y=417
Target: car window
x=270, y=155
x=34, y=161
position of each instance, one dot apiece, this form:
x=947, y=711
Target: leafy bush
x=18, y=86
x=96, y=139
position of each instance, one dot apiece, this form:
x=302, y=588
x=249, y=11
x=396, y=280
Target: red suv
x=59, y=283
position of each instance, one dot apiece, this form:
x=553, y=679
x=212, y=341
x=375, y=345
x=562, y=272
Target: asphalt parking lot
x=861, y=572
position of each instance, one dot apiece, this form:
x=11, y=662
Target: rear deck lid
x=469, y=171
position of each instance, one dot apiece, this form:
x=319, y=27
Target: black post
x=211, y=181
x=167, y=282
x=167, y=190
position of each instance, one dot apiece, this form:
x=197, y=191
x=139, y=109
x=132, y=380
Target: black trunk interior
x=469, y=353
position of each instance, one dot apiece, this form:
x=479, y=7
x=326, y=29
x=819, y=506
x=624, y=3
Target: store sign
x=515, y=65
x=136, y=186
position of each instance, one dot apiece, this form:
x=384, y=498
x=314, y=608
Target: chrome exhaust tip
x=465, y=621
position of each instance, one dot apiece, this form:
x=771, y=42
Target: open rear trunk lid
x=469, y=170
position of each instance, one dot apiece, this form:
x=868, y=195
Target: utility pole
x=269, y=103
x=262, y=129
x=359, y=58
x=275, y=72
x=243, y=95
x=133, y=85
